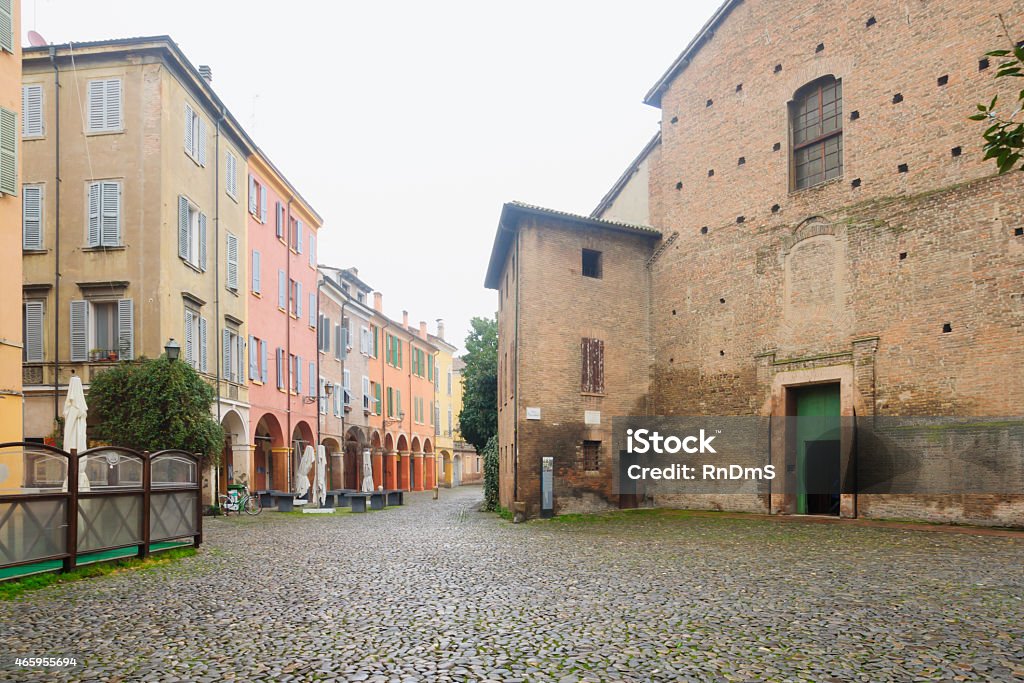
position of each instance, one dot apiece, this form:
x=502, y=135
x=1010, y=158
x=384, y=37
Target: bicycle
x=246, y=502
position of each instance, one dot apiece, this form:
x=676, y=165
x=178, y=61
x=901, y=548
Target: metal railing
x=59, y=505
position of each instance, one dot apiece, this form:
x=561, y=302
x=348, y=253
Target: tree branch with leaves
x=1004, y=137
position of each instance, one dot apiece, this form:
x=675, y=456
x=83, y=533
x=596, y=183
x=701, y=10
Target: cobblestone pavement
x=436, y=591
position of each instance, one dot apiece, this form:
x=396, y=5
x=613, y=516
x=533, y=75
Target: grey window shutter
x=253, y=362
x=183, y=250
x=32, y=217
x=190, y=342
x=33, y=331
x=339, y=345
x=282, y=286
x=112, y=95
x=263, y=360
x=252, y=195
x=312, y=375
x=256, y=271
x=6, y=26
x=97, y=101
x=263, y=204
x=94, y=215
x=8, y=152
x=126, y=329
x=312, y=250
x=298, y=299
x=79, y=330
x=238, y=356
x=189, y=142
x=298, y=374
x=203, y=361
x=232, y=265
x=279, y=361
x=202, y=242
x=110, y=203
x=226, y=354
x=31, y=106
x=312, y=309
x=201, y=142
x=279, y=219
x=298, y=236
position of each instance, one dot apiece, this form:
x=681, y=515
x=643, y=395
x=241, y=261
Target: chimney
x=423, y=329
x=354, y=271
x=206, y=72
x=378, y=302
x=405, y=320
x=440, y=328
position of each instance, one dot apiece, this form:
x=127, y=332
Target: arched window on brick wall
x=816, y=131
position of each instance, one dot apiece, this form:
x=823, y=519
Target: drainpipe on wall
x=515, y=400
x=383, y=407
x=342, y=354
x=288, y=334
x=216, y=288
x=56, y=249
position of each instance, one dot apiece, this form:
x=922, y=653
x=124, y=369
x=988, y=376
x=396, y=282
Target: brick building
x=813, y=214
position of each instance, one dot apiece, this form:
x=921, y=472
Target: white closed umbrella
x=320, y=483
x=305, y=466
x=75, y=414
x=367, y=486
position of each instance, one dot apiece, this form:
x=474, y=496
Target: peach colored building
x=281, y=292
x=12, y=347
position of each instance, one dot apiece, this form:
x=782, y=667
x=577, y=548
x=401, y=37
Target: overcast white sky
x=408, y=124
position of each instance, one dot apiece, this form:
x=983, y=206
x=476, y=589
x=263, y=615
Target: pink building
x=282, y=350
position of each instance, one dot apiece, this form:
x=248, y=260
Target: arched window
x=816, y=121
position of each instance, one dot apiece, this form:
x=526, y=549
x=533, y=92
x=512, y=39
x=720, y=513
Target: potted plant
x=112, y=355
x=96, y=354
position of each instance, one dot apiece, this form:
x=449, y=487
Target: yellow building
x=443, y=416
x=146, y=226
x=472, y=469
x=11, y=347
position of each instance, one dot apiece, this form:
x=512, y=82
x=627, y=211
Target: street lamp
x=172, y=349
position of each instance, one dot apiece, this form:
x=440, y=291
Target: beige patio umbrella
x=367, y=486
x=305, y=465
x=75, y=414
x=320, y=483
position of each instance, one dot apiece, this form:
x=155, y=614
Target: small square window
x=591, y=263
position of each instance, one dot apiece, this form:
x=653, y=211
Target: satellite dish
x=36, y=40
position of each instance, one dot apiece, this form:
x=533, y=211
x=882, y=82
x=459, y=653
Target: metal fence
x=66, y=506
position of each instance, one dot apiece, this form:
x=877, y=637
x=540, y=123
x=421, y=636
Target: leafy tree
x=1004, y=137
x=155, y=404
x=490, y=454
x=478, y=420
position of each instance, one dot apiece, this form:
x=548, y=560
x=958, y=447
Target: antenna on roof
x=36, y=40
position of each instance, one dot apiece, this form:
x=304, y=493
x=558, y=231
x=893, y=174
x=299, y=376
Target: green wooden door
x=817, y=424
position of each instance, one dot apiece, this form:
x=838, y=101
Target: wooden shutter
x=339, y=349
x=239, y=358
x=8, y=152
x=110, y=210
x=33, y=331
x=7, y=26
x=97, y=98
x=113, y=104
x=226, y=354
x=312, y=375
x=298, y=299
x=592, y=365
x=298, y=236
x=190, y=342
x=203, y=360
x=256, y=271
x=279, y=220
x=366, y=392
x=252, y=195
x=263, y=360
x=231, y=164
x=279, y=360
x=298, y=374
x=282, y=293
x=202, y=242
x=125, y=329
x=263, y=204
x=31, y=105
x=253, y=361
x=312, y=250
x=79, y=330
x=201, y=142
x=232, y=262
x=312, y=309
x=32, y=217
x=190, y=143
x=93, y=239
x=183, y=232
